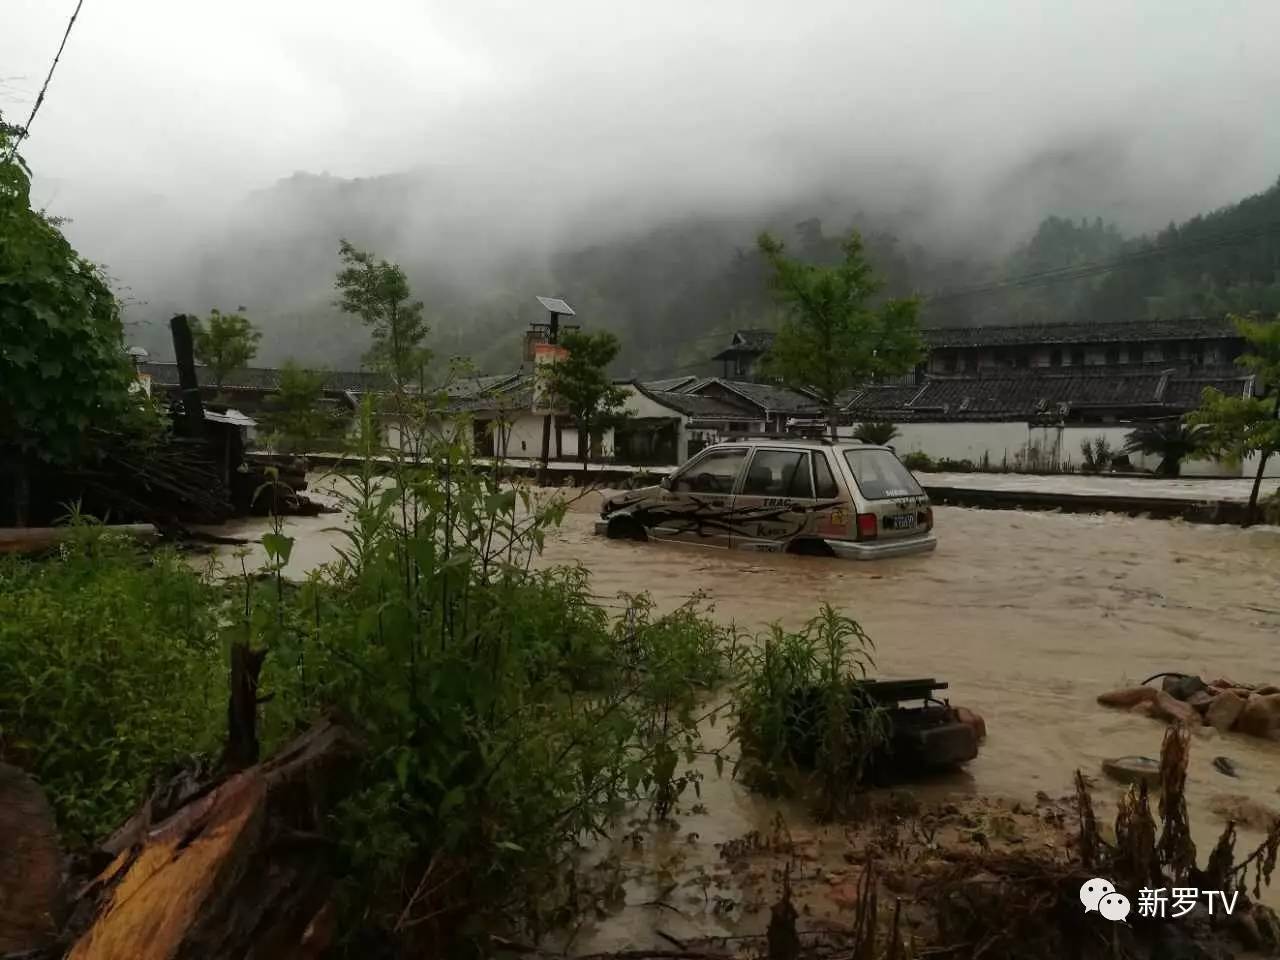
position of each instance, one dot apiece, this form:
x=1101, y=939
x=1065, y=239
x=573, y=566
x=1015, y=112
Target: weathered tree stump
x=241, y=870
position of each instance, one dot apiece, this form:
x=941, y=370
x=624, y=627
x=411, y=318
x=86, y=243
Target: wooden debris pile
x=233, y=865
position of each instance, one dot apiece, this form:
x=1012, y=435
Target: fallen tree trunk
x=39, y=539
x=241, y=870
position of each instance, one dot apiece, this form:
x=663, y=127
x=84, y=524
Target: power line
x=35, y=108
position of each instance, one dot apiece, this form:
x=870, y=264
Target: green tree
x=836, y=336
x=1238, y=427
x=63, y=369
x=378, y=293
x=1171, y=440
x=581, y=385
x=296, y=416
x=224, y=343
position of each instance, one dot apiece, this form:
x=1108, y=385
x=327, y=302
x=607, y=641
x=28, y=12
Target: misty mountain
x=671, y=290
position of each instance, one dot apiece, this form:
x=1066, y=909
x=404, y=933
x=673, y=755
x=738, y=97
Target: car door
x=775, y=500
x=696, y=506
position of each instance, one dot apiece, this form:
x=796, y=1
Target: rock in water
x=30, y=866
x=1224, y=765
x=1132, y=769
x=1260, y=716
x=1181, y=688
x=1128, y=696
x=1175, y=711
x=1223, y=712
x=1200, y=700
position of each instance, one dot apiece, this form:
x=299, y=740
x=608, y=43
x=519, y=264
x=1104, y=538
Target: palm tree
x=1171, y=440
x=880, y=432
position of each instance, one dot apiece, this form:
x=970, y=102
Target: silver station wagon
x=845, y=499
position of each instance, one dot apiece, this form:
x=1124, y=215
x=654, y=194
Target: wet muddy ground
x=1028, y=617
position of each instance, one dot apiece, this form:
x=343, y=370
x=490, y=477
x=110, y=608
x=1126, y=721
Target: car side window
x=714, y=473
x=778, y=473
x=824, y=482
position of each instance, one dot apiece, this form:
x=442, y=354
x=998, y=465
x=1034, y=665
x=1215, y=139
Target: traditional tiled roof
x=671, y=383
x=265, y=379
x=747, y=342
x=1034, y=394
x=768, y=397
x=891, y=395
x=1186, y=391
x=1187, y=328
x=506, y=391
x=698, y=407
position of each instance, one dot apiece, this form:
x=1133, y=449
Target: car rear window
x=881, y=475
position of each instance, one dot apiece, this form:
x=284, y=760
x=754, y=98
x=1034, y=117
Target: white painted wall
x=1024, y=446
x=1250, y=467
x=959, y=441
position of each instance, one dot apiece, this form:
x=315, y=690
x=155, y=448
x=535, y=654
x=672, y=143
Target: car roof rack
x=727, y=438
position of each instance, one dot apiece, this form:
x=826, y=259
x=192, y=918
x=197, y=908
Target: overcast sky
x=1170, y=105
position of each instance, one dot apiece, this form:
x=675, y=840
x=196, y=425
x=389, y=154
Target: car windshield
x=881, y=475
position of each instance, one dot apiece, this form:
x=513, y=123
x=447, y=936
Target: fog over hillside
x=616, y=155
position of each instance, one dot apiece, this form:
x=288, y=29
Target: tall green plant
x=502, y=717
x=801, y=707
x=836, y=335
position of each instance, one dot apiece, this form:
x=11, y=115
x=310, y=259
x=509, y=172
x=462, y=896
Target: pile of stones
x=1222, y=704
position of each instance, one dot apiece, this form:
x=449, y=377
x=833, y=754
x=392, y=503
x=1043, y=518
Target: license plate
x=902, y=522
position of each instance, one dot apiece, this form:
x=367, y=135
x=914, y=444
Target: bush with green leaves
x=111, y=672
x=919, y=460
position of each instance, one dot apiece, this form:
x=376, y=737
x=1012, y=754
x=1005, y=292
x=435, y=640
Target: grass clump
x=802, y=713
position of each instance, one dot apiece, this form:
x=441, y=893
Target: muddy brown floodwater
x=1028, y=617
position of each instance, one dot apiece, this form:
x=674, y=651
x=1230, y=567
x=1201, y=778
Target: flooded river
x=1028, y=617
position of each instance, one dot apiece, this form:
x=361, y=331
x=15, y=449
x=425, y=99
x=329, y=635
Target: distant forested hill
x=1225, y=261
